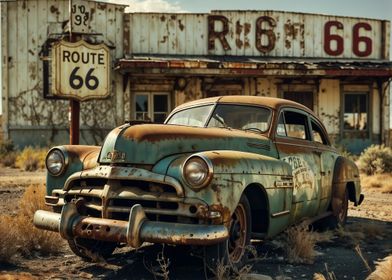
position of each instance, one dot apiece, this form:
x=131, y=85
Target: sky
x=378, y=9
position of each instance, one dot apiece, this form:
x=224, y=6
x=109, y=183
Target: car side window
x=318, y=134
x=281, y=130
x=293, y=124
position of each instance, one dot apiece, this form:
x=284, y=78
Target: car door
x=293, y=140
x=327, y=155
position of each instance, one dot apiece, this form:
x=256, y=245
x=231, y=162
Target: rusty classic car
x=219, y=172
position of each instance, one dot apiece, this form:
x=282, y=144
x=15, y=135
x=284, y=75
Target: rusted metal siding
x=26, y=25
x=259, y=33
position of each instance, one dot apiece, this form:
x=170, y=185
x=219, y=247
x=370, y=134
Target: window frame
x=150, y=99
x=309, y=136
x=368, y=106
x=322, y=130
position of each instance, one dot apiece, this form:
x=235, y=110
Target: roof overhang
x=251, y=66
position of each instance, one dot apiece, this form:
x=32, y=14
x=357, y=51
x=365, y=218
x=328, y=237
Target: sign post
x=81, y=71
x=74, y=122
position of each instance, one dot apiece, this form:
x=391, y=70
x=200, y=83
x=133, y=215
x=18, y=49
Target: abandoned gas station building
x=337, y=66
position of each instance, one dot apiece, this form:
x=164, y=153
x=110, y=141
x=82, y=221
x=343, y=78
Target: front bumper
x=134, y=232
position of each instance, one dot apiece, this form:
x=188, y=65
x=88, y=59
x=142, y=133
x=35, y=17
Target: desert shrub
x=375, y=160
x=31, y=238
x=383, y=270
x=7, y=153
x=18, y=233
x=344, y=152
x=31, y=159
x=8, y=247
x=300, y=241
x=8, y=159
x=6, y=146
x=378, y=182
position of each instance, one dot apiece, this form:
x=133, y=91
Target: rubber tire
x=334, y=221
x=99, y=249
x=219, y=253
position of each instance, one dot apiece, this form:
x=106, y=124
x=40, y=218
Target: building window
x=304, y=98
x=152, y=106
x=356, y=111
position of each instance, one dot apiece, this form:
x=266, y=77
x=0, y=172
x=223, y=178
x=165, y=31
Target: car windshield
x=242, y=117
x=196, y=116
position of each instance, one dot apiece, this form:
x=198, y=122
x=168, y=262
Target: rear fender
x=345, y=176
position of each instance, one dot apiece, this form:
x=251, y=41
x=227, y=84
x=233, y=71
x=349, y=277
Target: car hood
x=149, y=143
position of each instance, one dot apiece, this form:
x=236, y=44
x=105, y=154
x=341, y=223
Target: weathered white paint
x=80, y=16
x=329, y=105
x=26, y=25
x=294, y=35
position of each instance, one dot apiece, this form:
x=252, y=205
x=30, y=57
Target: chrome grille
x=114, y=199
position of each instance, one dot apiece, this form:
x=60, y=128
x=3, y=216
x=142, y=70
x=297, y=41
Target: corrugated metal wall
x=26, y=25
x=290, y=34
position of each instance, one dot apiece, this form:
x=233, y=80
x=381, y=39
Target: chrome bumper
x=138, y=229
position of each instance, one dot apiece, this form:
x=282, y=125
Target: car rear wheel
x=91, y=250
x=341, y=217
x=335, y=220
x=234, y=250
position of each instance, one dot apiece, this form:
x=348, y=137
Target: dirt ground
x=338, y=256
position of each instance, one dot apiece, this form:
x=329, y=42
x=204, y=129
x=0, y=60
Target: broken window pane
x=356, y=112
x=141, y=104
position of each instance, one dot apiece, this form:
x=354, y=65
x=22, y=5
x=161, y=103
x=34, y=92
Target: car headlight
x=55, y=162
x=197, y=172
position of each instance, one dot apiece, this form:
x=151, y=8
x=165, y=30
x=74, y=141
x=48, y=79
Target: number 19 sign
x=80, y=70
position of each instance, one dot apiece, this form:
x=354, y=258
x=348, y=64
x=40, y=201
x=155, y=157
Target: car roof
x=271, y=102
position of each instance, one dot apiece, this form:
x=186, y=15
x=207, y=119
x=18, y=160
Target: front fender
x=233, y=171
x=77, y=158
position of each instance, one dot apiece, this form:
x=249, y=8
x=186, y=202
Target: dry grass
x=377, y=182
x=300, y=242
x=8, y=248
x=320, y=276
x=353, y=234
x=18, y=276
x=8, y=159
x=230, y=272
x=383, y=270
x=31, y=159
x=31, y=238
x=19, y=234
x=360, y=254
x=161, y=270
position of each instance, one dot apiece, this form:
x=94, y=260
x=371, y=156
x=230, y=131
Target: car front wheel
x=234, y=250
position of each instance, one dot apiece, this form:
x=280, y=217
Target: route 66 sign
x=80, y=70
x=80, y=13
